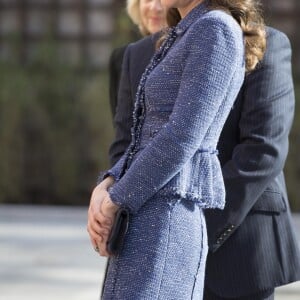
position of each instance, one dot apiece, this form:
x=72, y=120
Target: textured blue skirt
x=163, y=256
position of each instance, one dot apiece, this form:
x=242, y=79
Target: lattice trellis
x=83, y=28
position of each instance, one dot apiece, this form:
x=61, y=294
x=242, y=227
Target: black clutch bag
x=118, y=231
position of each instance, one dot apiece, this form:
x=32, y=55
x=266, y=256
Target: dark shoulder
x=144, y=45
x=277, y=42
x=275, y=64
x=117, y=55
x=277, y=47
x=276, y=36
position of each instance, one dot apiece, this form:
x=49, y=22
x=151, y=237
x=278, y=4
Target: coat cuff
x=124, y=199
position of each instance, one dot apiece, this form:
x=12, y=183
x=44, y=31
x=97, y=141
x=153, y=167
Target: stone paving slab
x=45, y=254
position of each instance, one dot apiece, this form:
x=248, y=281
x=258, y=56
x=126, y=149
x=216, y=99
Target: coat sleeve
x=266, y=118
x=114, y=72
x=123, y=112
x=202, y=90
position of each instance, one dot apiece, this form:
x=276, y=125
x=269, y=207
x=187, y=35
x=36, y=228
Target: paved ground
x=45, y=254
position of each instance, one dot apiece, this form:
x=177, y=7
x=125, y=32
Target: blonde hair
x=133, y=10
x=248, y=14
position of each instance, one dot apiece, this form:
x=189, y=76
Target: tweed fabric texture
x=268, y=96
x=162, y=258
x=183, y=100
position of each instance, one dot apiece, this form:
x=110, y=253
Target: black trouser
x=265, y=295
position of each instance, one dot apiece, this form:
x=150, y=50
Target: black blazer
x=115, y=69
x=252, y=243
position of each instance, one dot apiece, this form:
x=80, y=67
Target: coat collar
x=191, y=17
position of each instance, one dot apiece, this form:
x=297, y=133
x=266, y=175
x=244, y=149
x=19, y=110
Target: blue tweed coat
x=256, y=200
x=183, y=100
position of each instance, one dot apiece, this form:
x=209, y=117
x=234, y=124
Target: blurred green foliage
x=55, y=129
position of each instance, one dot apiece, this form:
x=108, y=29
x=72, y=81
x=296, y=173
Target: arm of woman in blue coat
x=202, y=90
x=220, y=50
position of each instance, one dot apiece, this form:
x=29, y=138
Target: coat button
x=219, y=240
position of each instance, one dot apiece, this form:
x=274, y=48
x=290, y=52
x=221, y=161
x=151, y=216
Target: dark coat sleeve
x=259, y=157
x=126, y=68
x=115, y=68
x=123, y=111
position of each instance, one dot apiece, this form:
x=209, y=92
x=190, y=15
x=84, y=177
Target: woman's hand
x=101, y=216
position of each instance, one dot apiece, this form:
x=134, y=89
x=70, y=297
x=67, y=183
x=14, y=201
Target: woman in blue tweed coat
x=170, y=171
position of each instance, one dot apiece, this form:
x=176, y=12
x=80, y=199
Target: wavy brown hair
x=248, y=14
